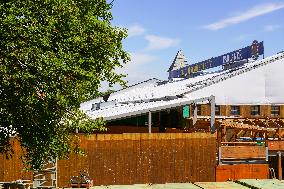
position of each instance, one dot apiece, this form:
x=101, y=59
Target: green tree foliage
x=53, y=56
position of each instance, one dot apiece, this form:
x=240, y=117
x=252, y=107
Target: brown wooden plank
x=276, y=145
x=241, y=171
x=167, y=156
x=164, y=158
x=119, y=151
x=139, y=169
x=198, y=159
x=203, y=173
x=212, y=150
x=109, y=146
x=114, y=145
x=190, y=154
x=126, y=159
x=187, y=164
x=144, y=160
x=194, y=154
x=243, y=152
x=129, y=158
x=182, y=158
x=177, y=158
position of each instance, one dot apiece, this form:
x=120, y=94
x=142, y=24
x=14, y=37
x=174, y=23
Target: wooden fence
x=140, y=158
x=12, y=169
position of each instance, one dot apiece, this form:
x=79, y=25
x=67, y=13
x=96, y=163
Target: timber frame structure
x=249, y=141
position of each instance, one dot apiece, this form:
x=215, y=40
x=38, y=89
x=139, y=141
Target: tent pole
x=194, y=114
x=150, y=122
x=212, y=120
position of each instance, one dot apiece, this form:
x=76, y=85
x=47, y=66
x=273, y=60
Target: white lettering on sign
x=226, y=58
x=236, y=56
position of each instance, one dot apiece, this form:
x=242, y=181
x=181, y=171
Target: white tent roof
x=150, y=83
x=131, y=109
x=259, y=82
x=260, y=85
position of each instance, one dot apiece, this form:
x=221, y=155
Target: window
x=217, y=110
x=198, y=109
x=235, y=110
x=255, y=110
x=275, y=110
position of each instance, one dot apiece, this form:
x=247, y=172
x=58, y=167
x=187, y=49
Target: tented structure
x=259, y=82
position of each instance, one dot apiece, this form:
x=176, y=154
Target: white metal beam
x=212, y=120
x=194, y=120
x=155, y=109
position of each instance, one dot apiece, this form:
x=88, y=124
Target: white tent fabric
x=127, y=110
x=264, y=85
x=260, y=82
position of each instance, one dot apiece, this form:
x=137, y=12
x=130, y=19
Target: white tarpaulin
x=264, y=85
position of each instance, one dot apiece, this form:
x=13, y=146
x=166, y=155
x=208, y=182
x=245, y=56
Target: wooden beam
x=245, y=133
x=275, y=145
x=224, y=134
x=244, y=143
x=240, y=133
x=281, y=122
x=255, y=134
x=278, y=134
x=233, y=135
x=243, y=152
x=251, y=134
x=244, y=126
x=219, y=136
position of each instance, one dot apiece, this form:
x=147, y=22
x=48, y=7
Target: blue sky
x=201, y=29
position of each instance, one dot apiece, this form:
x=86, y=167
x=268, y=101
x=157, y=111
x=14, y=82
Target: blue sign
x=252, y=51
